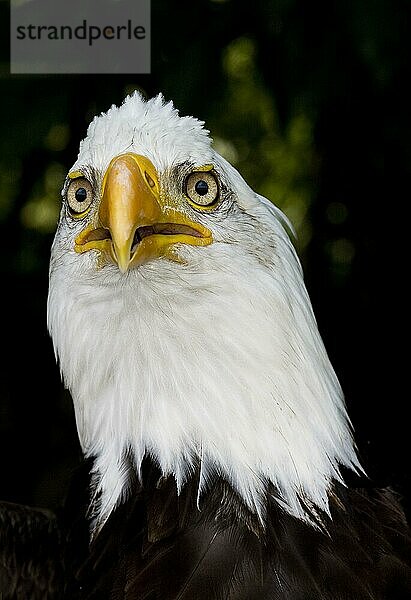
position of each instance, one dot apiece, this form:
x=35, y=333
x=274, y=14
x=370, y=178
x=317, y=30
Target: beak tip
x=120, y=259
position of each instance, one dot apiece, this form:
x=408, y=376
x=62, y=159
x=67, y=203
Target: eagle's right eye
x=79, y=196
x=202, y=189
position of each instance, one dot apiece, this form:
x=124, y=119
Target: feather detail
x=31, y=554
x=166, y=549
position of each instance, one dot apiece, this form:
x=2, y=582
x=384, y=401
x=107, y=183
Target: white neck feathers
x=200, y=362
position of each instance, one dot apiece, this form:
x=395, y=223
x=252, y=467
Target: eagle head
x=181, y=322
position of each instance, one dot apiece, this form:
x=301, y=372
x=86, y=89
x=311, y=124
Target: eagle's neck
x=217, y=371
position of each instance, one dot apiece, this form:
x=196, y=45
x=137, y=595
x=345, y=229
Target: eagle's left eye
x=202, y=188
x=79, y=196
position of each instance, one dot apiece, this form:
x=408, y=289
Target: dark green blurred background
x=310, y=101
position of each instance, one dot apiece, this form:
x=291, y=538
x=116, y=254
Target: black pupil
x=81, y=194
x=201, y=187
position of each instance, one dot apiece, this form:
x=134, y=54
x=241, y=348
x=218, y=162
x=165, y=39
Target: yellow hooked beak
x=133, y=224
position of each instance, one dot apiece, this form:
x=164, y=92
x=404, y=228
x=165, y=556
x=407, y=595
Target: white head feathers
x=154, y=127
x=216, y=360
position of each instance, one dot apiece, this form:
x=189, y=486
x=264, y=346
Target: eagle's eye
x=202, y=189
x=79, y=196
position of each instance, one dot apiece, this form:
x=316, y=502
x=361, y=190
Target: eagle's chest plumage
x=159, y=545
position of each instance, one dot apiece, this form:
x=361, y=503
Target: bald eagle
x=216, y=440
